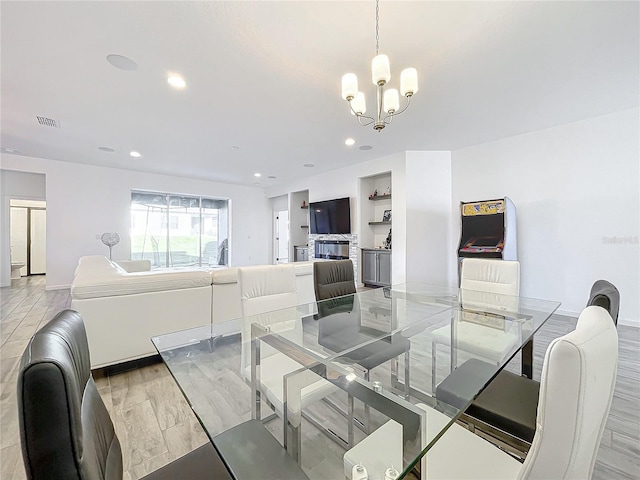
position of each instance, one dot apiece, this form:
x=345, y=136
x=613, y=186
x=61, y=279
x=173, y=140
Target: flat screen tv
x=330, y=216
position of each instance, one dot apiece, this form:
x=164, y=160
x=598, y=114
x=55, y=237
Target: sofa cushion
x=224, y=275
x=107, y=282
x=304, y=268
x=221, y=276
x=135, y=265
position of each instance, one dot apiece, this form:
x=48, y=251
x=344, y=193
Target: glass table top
x=340, y=370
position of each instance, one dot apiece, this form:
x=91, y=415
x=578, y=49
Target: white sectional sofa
x=124, y=307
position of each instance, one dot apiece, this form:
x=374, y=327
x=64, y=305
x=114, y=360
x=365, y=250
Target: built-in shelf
x=304, y=226
x=380, y=223
x=305, y=206
x=380, y=197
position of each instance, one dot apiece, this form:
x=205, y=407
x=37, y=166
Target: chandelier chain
x=377, y=26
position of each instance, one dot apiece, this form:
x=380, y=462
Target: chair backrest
x=65, y=428
x=486, y=282
x=268, y=295
x=333, y=278
x=604, y=294
x=576, y=389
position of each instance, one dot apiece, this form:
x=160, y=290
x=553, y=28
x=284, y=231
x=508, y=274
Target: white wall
x=428, y=203
x=576, y=188
x=83, y=201
x=15, y=184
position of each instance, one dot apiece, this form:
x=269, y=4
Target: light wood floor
x=155, y=424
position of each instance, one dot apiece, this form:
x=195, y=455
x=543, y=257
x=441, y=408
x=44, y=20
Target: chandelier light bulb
x=358, y=104
x=391, y=100
x=380, y=70
x=408, y=81
x=349, y=86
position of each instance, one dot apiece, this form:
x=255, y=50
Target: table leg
x=255, y=379
x=527, y=359
x=350, y=437
x=367, y=411
x=434, y=352
x=407, y=374
x=394, y=372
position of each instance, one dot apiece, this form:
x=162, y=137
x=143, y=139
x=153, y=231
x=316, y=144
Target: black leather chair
x=333, y=279
x=510, y=402
x=339, y=311
x=604, y=294
x=65, y=429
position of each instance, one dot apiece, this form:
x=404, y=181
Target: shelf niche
x=298, y=221
x=373, y=232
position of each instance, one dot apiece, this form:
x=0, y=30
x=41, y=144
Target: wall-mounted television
x=330, y=216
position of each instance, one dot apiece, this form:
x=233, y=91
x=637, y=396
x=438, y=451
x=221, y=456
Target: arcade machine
x=488, y=230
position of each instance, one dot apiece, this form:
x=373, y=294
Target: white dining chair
x=576, y=390
x=485, y=284
x=269, y=297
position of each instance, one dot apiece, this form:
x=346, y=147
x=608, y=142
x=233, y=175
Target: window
x=179, y=230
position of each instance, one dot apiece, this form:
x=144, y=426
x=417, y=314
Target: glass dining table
x=349, y=384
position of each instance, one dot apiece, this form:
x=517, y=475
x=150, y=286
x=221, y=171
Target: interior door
x=19, y=223
x=282, y=236
x=38, y=242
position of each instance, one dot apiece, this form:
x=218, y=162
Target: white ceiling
x=265, y=76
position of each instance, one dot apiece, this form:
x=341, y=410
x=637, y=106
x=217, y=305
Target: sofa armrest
x=135, y=265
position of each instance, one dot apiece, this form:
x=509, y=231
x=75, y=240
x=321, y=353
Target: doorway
x=28, y=227
x=281, y=236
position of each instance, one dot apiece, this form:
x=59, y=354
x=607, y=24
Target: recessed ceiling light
x=106, y=149
x=135, y=154
x=176, y=81
x=272, y=177
x=309, y=165
x=365, y=147
x=235, y=147
x=257, y=174
x=122, y=62
x=349, y=141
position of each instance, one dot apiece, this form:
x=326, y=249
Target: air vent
x=48, y=122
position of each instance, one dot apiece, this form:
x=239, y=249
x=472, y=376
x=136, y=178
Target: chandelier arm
x=360, y=117
x=391, y=115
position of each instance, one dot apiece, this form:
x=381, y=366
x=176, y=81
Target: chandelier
x=388, y=101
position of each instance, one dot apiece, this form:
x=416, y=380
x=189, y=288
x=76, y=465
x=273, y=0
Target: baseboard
x=57, y=287
x=629, y=322
x=126, y=366
x=567, y=313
